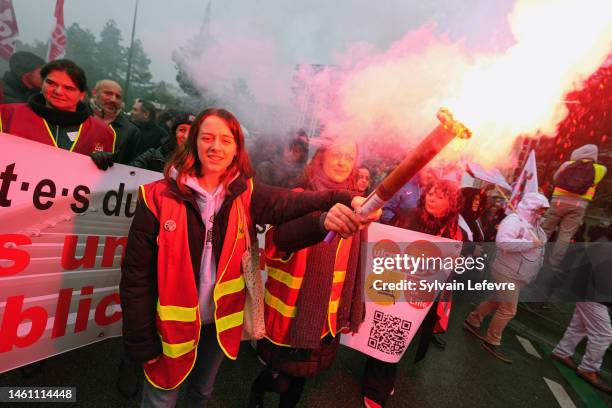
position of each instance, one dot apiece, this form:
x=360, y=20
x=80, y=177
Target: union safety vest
x=93, y=134
x=600, y=172
x=443, y=313
x=178, y=315
x=285, y=277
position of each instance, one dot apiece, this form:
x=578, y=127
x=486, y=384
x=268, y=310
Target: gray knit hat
x=23, y=62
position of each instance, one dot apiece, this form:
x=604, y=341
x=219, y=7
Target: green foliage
x=140, y=80
x=165, y=94
x=106, y=57
x=197, y=99
x=186, y=83
x=110, y=53
x=81, y=47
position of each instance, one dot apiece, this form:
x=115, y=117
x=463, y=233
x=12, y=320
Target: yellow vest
x=600, y=172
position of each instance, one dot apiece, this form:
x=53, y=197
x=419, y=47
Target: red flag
x=57, y=46
x=8, y=29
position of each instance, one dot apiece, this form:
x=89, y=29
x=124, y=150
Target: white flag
x=492, y=176
x=527, y=182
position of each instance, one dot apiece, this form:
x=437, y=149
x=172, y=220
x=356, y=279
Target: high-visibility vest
x=178, y=315
x=600, y=172
x=340, y=267
x=285, y=277
x=93, y=134
x=443, y=313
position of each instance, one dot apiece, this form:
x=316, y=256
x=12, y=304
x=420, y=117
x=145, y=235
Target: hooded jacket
x=469, y=219
x=587, y=152
x=519, y=256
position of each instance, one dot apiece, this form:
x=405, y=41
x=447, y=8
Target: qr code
x=389, y=333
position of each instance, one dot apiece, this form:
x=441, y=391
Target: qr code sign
x=389, y=333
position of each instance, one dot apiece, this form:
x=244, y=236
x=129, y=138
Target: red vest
x=285, y=277
x=443, y=313
x=20, y=120
x=178, y=314
x=343, y=252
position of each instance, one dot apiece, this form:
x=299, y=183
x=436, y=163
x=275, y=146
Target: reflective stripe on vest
x=285, y=278
x=443, y=313
x=600, y=172
x=178, y=315
x=340, y=267
x=229, y=293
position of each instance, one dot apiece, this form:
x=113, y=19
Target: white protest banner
x=63, y=232
x=395, y=312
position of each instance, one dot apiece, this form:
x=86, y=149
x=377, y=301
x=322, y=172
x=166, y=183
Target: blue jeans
x=200, y=381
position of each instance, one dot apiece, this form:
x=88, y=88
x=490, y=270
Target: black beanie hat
x=181, y=119
x=23, y=62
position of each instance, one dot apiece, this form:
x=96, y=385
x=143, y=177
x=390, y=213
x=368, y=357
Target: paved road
x=463, y=375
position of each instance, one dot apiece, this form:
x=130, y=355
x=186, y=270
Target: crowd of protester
x=214, y=192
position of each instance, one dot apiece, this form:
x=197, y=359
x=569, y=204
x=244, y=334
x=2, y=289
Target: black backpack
x=577, y=177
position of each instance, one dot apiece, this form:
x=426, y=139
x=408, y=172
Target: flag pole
x=505, y=197
x=513, y=209
x=131, y=53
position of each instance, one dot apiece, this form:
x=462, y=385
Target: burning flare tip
x=450, y=123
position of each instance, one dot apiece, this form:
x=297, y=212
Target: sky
x=311, y=31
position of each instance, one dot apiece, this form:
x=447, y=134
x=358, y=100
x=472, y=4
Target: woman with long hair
x=313, y=294
x=437, y=214
x=474, y=205
x=182, y=285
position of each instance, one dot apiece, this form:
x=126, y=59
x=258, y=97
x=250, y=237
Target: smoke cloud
x=387, y=98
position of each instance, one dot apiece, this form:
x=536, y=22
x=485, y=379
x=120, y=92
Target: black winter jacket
x=151, y=136
x=128, y=139
x=14, y=90
x=138, y=287
x=155, y=159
